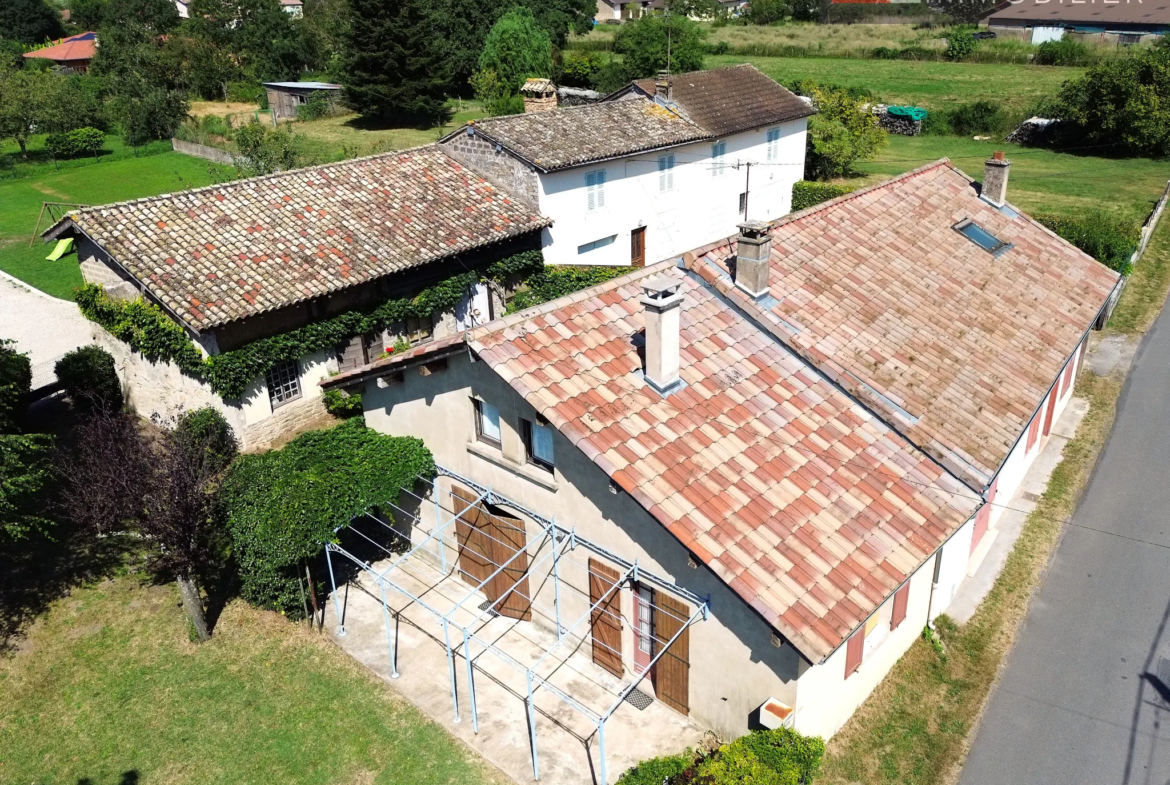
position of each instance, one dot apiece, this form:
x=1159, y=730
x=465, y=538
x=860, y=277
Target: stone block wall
x=498, y=167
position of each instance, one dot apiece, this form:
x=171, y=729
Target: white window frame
x=773, y=144
x=532, y=431
x=284, y=382
x=718, y=151
x=585, y=248
x=666, y=172
x=595, y=190
x=487, y=423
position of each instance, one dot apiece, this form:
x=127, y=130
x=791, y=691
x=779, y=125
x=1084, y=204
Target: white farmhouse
x=658, y=168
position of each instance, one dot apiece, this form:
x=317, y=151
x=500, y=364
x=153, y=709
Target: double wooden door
x=488, y=541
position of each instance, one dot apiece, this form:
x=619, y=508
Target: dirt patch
x=48, y=191
x=219, y=108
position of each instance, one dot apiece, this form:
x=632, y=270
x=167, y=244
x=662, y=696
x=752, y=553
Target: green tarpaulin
x=913, y=112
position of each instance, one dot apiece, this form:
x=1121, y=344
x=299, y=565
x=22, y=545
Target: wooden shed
x=285, y=97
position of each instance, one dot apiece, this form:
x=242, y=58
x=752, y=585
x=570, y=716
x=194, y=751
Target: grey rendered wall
x=734, y=665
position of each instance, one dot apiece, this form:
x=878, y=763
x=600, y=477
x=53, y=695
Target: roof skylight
x=981, y=237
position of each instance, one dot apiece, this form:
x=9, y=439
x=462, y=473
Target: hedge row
x=806, y=194
x=1105, y=237
x=767, y=757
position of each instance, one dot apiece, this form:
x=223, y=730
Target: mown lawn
x=348, y=136
x=113, y=178
x=932, y=85
x=108, y=689
x=1040, y=180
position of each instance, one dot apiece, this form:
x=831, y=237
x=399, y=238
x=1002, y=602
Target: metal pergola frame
x=563, y=541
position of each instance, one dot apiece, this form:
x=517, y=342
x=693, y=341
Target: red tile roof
x=806, y=505
x=78, y=47
x=954, y=345
x=226, y=252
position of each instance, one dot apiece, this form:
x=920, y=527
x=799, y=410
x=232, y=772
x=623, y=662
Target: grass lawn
x=931, y=85
x=914, y=729
x=1041, y=181
x=348, y=136
x=111, y=179
x=107, y=688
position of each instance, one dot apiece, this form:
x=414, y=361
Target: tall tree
x=257, y=35
x=396, y=69
x=517, y=48
x=27, y=100
x=87, y=14
x=29, y=21
x=23, y=457
x=657, y=43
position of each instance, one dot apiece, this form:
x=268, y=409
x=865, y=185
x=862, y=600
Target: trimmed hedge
x=15, y=384
x=1108, y=239
x=89, y=379
x=282, y=507
x=806, y=194
x=79, y=141
x=763, y=757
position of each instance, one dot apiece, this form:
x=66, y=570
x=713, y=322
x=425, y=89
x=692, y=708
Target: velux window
x=981, y=237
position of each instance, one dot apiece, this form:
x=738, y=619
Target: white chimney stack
x=662, y=302
x=753, y=256
x=995, y=179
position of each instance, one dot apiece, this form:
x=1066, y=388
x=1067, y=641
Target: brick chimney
x=995, y=179
x=662, y=86
x=540, y=95
x=662, y=303
x=752, y=257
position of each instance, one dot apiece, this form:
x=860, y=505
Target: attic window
x=981, y=237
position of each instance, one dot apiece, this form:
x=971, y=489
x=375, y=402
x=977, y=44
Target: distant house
x=655, y=169
x=611, y=10
x=285, y=97
x=292, y=7
x=1038, y=21
x=73, y=53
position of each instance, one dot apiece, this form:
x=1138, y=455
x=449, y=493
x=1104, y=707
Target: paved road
x=42, y=326
x=1086, y=695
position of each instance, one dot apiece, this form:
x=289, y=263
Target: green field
x=1041, y=180
x=931, y=85
x=107, y=688
x=111, y=179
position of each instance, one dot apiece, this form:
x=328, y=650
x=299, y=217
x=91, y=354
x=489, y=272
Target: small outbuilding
x=1037, y=21
x=285, y=97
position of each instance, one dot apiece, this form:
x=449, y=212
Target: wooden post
x=312, y=595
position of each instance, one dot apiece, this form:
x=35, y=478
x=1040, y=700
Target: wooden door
x=606, y=619
x=474, y=555
x=507, y=538
x=638, y=247
x=672, y=672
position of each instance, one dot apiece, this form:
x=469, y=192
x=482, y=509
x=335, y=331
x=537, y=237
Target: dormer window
x=981, y=237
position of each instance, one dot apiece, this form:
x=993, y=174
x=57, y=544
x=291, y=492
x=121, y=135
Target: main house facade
x=658, y=168
x=808, y=423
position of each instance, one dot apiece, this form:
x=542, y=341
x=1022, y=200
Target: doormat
x=638, y=699
x=486, y=605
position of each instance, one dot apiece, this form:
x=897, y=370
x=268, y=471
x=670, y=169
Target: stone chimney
x=752, y=257
x=662, y=86
x=995, y=179
x=662, y=303
x=540, y=95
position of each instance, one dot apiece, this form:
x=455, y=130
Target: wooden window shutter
x=853, y=651
x=1066, y=377
x=672, y=672
x=1049, y=411
x=901, y=600
x=1034, y=429
x=474, y=551
x=606, y=618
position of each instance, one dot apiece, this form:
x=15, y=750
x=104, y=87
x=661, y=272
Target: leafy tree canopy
x=840, y=134
x=656, y=43
x=29, y=21
x=517, y=48
x=27, y=101
x=257, y=35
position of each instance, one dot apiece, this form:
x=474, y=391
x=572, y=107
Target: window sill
x=537, y=476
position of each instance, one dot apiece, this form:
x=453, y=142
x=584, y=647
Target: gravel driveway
x=42, y=326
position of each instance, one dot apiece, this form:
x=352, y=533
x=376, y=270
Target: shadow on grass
x=360, y=123
x=128, y=778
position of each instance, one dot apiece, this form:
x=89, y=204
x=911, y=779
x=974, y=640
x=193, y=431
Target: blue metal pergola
x=553, y=542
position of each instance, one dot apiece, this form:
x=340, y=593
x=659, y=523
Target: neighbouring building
x=291, y=7
x=236, y=263
x=284, y=98
x=659, y=167
x=809, y=423
x=1037, y=21
x=74, y=52
x=620, y=10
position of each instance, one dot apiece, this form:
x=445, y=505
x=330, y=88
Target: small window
x=595, y=189
x=981, y=237
x=593, y=246
x=487, y=422
x=415, y=329
x=666, y=173
x=284, y=382
x=718, y=150
x=539, y=440
x=773, y=144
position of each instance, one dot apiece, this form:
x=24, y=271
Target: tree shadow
x=416, y=122
x=130, y=777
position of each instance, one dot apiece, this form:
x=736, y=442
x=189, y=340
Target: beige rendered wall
x=734, y=665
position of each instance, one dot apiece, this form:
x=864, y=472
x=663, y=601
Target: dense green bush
x=316, y=107
x=554, y=282
x=15, y=383
x=960, y=43
x=783, y=748
x=90, y=380
x=1105, y=237
x=647, y=49
x=207, y=430
x=976, y=117
x=806, y=193
x=736, y=764
x=842, y=133
x=341, y=405
x=282, y=507
x=245, y=92
x=80, y=141
x=905, y=53
x=141, y=325
x=1066, y=51
x=763, y=757
x=658, y=770
x=517, y=48
x=810, y=87
x=579, y=69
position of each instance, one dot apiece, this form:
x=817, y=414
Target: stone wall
x=498, y=167
x=201, y=151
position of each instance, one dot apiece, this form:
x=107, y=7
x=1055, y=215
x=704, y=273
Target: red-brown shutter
x=672, y=673
x=853, y=651
x=901, y=599
x=1066, y=377
x=1048, y=414
x=1034, y=429
x=606, y=621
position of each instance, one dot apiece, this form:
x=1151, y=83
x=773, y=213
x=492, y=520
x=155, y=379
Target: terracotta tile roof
x=226, y=252
x=954, y=346
x=576, y=135
x=726, y=101
x=78, y=47
x=806, y=505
